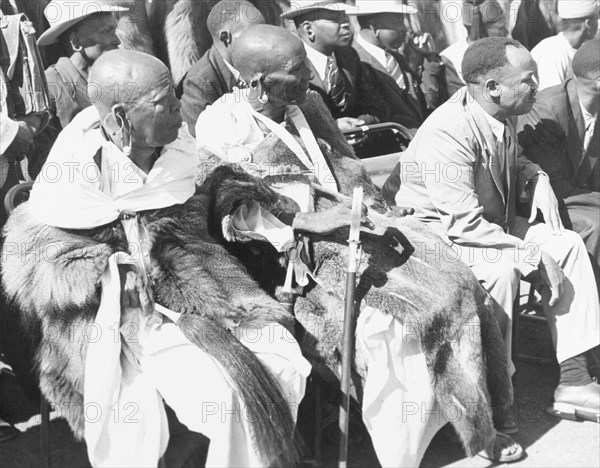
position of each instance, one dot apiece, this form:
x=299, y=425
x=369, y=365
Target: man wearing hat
x=344, y=83
x=554, y=55
x=481, y=18
x=411, y=95
x=86, y=29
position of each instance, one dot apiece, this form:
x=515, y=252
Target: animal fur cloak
x=400, y=273
x=51, y=279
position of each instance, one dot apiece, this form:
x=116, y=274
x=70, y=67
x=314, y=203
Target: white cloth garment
x=129, y=372
x=399, y=407
x=554, y=58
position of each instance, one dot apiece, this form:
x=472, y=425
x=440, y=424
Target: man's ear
x=74, y=41
x=225, y=37
x=307, y=28
x=493, y=88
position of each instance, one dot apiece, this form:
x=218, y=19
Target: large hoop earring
x=78, y=48
x=118, y=121
x=264, y=97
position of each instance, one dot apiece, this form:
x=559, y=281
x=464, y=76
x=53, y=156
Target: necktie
x=335, y=83
x=393, y=68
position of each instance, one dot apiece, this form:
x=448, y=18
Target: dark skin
x=139, y=90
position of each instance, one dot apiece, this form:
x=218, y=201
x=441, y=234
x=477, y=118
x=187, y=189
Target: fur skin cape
x=51, y=279
x=400, y=274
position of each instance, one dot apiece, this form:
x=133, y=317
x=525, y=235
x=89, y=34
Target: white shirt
x=378, y=53
x=589, y=121
x=455, y=53
x=319, y=61
x=554, y=58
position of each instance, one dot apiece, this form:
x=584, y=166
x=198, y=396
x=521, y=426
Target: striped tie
x=393, y=68
x=335, y=83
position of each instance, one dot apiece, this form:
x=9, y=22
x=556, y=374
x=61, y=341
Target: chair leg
x=45, y=432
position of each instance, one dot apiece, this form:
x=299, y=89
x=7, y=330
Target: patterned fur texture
x=51, y=277
x=403, y=272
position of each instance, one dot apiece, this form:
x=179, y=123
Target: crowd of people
x=199, y=226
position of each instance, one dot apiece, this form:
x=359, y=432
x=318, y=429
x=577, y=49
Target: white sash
x=314, y=161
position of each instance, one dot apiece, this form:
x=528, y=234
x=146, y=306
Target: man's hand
x=423, y=43
x=543, y=199
x=349, y=123
x=553, y=276
x=327, y=221
x=135, y=293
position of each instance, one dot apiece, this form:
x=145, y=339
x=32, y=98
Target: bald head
x=264, y=49
x=126, y=77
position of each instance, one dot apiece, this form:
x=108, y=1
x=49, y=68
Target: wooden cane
x=348, y=338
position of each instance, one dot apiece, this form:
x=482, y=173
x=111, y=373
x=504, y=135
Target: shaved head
x=264, y=49
x=135, y=97
x=126, y=77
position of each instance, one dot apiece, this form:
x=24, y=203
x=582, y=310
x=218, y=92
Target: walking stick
x=354, y=242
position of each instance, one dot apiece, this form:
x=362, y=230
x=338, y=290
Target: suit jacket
x=207, y=80
x=361, y=98
x=552, y=135
x=68, y=90
x=456, y=179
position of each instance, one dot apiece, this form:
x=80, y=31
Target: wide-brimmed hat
x=64, y=14
x=374, y=7
x=299, y=7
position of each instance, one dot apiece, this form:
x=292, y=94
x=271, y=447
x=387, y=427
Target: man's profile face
x=156, y=118
x=391, y=29
x=97, y=35
x=331, y=28
x=518, y=82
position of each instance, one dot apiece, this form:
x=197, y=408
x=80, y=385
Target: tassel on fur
x=263, y=403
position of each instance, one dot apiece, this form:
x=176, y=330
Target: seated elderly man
x=213, y=75
x=116, y=199
x=279, y=204
x=462, y=174
x=561, y=135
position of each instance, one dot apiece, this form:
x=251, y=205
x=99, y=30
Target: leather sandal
x=503, y=449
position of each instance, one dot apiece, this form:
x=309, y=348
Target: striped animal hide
x=52, y=276
x=405, y=271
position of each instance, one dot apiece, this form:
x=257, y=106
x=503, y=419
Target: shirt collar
x=318, y=59
x=378, y=53
x=496, y=126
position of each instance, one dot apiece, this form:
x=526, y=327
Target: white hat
x=373, y=7
x=574, y=9
x=63, y=14
x=299, y=7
